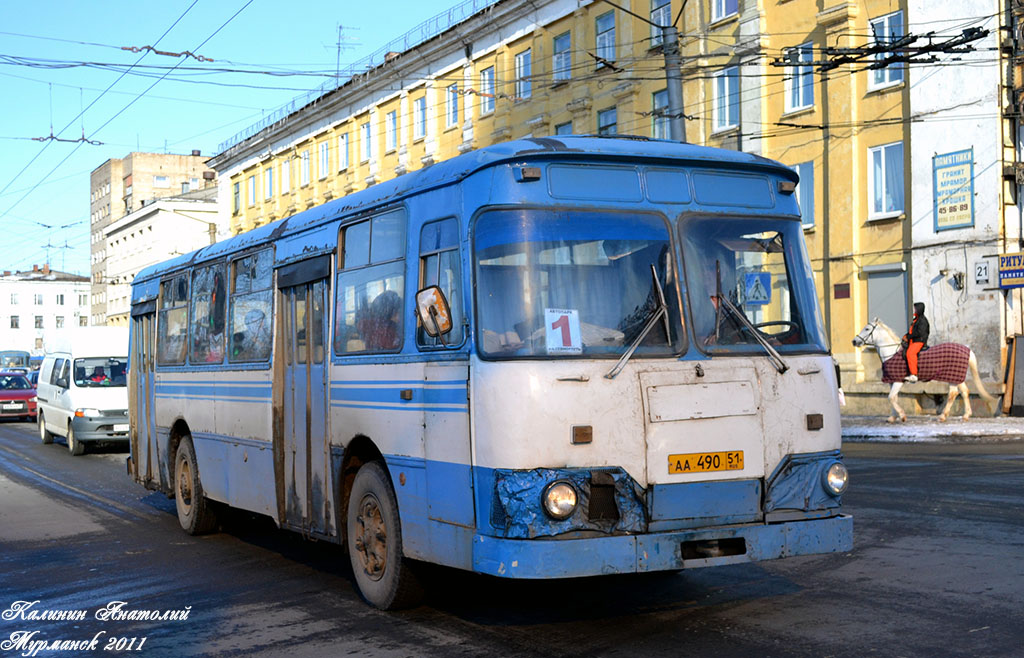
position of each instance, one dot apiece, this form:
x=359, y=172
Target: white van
x=83, y=388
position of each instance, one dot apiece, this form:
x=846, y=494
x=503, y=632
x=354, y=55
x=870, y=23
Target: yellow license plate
x=705, y=462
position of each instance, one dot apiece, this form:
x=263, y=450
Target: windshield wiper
x=773, y=355
x=661, y=313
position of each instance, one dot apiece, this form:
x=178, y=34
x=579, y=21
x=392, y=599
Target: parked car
x=83, y=390
x=33, y=378
x=17, y=396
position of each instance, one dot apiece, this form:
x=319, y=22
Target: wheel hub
x=371, y=537
x=185, y=484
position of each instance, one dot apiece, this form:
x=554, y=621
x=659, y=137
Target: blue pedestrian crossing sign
x=757, y=288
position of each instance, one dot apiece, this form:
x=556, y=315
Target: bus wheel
x=44, y=434
x=75, y=447
x=385, y=578
x=195, y=513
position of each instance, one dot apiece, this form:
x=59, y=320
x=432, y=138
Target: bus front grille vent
x=602, y=503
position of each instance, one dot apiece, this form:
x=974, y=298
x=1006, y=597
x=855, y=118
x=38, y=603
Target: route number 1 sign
x=562, y=331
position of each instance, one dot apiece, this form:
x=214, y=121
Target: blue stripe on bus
x=407, y=407
x=212, y=389
x=419, y=395
x=398, y=382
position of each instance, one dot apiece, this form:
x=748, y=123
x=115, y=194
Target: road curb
x=928, y=429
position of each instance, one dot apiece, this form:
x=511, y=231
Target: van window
x=105, y=372
x=60, y=371
x=209, y=297
x=172, y=332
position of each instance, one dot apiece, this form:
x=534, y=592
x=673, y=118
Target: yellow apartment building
x=507, y=69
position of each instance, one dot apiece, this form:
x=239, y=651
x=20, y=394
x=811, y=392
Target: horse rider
x=915, y=339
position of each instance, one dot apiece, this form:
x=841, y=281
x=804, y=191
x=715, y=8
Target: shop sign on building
x=953, y=177
x=1011, y=270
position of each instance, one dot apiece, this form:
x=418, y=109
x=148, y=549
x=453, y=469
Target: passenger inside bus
x=380, y=325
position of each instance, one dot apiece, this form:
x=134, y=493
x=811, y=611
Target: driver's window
x=440, y=266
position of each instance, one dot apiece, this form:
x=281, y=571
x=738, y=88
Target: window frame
x=419, y=118
x=523, y=74
x=286, y=175
x=304, y=168
x=561, y=59
x=325, y=159
x=796, y=77
x=660, y=125
x=391, y=131
x=230, y=273
x=365, y=142
x=661, y=14
x=268, y=183
x=727, y=73
x=193, y=272
x=487, y=95
x=604, y=40
x=613, y=111
x=893, y=74
x=872, y=183
x=237, y=203
x=460, y=322
x=252, y=190
x=451, y=105
x=804, y=189
x=720, y=10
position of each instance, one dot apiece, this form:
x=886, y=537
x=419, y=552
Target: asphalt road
x=937, y=570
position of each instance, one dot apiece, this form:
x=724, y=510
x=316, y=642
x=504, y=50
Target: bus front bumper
x=680, y=549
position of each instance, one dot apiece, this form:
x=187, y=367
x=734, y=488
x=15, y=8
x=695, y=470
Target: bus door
x=144, y=449
x=302, y=450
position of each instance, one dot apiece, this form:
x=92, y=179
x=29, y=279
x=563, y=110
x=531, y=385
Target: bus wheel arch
x=360, y=450
x=179, y=429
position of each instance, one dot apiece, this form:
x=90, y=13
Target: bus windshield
x=14, y=359
x=565, y=284
x=761, y=267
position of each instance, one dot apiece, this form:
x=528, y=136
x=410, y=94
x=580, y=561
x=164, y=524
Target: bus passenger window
x=371, y=285
x=208, y=315
x=172, y=332
x=251, y=307
x=440, y=266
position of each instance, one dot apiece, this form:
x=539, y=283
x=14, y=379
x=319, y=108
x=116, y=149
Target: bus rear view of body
x=547, y=358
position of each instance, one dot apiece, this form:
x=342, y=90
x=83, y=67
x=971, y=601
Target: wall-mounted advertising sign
x=953, y=178
x=1011, y=270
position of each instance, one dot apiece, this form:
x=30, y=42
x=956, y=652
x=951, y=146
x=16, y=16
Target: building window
x=805, y=192
x=83, y=299
x=723, y=9
x=59, y=321
x=286, y=175
x=564, y=128
x=659, y=105
x=268, y=182
x=607, y=122
x=452, y=106
x=343, y=152
x=37, y=299
x=365, y=144
x=800, y=78
x=487, y=90
x=39, y=322
x=237, y=194
x=252, y=190
x=60, y=300
x=885, y=180
x=561, y=60
x=661, y=14
x=887, y=30
x=14, y=299
x=83, y=321
x=606, y=36
x=304, y=173
x=324, y=159
x=419, y=121
x=15, y=322
x=161, y=181
x=185, y=188
x=727, y=98
x=524, y=87
x=391, y=130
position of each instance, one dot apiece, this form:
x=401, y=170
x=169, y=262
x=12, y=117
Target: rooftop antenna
x=340, y=45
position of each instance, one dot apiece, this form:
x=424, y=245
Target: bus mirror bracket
x=434, y=313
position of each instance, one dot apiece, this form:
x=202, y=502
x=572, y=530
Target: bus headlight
x=836, y=479
x=559, y=500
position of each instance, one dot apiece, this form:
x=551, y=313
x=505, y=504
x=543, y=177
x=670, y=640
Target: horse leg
x=966, y=395
x=950, y=398
x=897, y=411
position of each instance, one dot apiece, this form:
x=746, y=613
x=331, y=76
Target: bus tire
x=196, y=514
x=75, y=447
x=44, y=434
x=384, y=576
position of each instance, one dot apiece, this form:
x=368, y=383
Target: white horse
x=887, y=342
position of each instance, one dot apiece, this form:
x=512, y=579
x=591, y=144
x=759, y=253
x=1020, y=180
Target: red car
x=17, y=396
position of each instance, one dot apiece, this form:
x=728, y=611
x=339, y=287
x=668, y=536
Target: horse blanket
x=945, y=363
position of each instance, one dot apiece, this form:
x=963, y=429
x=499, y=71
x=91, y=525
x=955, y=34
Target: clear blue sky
x=44, y=185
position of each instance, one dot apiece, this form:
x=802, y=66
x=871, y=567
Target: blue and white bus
x=546, y=358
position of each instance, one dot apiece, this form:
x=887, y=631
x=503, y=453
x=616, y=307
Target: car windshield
x=100, y=371
x=761, y=266
x=14, y=383
x=570, y=284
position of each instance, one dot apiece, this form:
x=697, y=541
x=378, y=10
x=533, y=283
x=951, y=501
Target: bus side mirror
x=434, y=313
